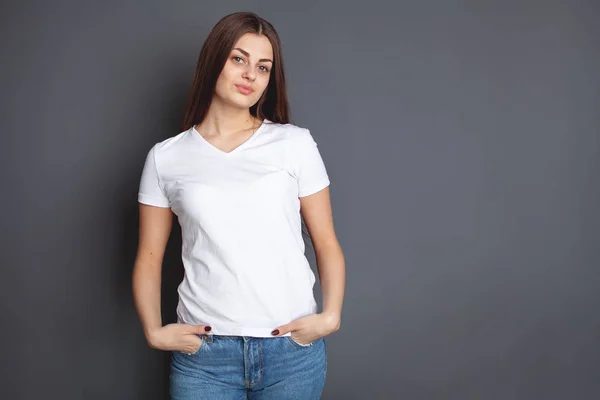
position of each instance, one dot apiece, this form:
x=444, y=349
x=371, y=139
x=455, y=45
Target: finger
x=283, y=329
x=198, y=329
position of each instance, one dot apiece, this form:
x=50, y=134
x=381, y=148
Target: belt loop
x=208, y=338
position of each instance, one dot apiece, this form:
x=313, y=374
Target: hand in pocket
x=178, y=337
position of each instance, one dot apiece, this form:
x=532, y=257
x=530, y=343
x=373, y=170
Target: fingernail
x=207, y=328
x=275, y=332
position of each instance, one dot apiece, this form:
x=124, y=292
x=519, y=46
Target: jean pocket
x=298, y=344
x=202, y=340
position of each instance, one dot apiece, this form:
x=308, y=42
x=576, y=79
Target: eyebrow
x=244, y=52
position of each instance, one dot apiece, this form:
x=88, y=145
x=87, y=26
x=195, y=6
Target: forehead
x=258, y=46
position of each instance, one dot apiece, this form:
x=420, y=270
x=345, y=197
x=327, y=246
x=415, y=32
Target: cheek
x=224, y=83
x=223, y=79
x=226, y=75
x=264, y=84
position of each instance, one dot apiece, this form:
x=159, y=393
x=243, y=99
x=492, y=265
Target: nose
x=249, y=73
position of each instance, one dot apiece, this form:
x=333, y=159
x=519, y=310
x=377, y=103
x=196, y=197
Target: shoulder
x=172, y=142
x=289, y=132
x=170, y=146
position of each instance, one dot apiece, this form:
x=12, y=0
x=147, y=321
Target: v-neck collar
x=215, y=149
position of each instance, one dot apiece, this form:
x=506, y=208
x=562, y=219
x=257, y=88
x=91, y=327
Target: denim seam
x=261, y=370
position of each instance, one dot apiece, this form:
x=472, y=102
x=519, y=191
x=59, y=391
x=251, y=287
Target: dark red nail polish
x=207, y=328
x=275, y=332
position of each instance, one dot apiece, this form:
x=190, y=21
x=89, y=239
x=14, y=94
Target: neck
x=224, y=120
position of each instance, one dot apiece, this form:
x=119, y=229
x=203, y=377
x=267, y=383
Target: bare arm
x=317, y=214
x=154, y=230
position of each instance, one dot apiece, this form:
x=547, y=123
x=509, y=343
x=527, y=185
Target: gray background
x=462, y=140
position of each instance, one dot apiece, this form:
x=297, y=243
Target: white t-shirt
x=239, y=212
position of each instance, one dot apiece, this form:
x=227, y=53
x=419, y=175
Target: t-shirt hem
x=228, y=330
x=318, y=186
x=152, y=201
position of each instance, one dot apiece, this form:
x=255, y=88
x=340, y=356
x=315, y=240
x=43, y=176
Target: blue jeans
x=249, y=368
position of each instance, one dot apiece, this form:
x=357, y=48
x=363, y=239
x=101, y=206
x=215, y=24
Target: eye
x=265, y=69
x=235, y=58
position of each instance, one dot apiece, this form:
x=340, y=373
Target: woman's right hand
x=177, y=337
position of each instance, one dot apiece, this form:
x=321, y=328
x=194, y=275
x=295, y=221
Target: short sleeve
x=307, y=164
x=151, y=190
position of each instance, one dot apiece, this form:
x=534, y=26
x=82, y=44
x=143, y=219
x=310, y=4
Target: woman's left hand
x=310, y=327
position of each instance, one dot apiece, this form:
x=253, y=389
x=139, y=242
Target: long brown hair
x=273, y=104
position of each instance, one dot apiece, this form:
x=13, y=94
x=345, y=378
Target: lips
x=244, y=89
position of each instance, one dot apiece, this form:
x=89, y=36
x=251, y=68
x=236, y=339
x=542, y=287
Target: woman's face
x=246, y=73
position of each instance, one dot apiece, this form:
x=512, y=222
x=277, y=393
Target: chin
x=242, y=104
x=234, y=101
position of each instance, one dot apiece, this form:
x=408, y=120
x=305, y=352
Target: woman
x=240, y=178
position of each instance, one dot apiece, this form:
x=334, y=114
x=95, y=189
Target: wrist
x=332, y=320
x=151, y=334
